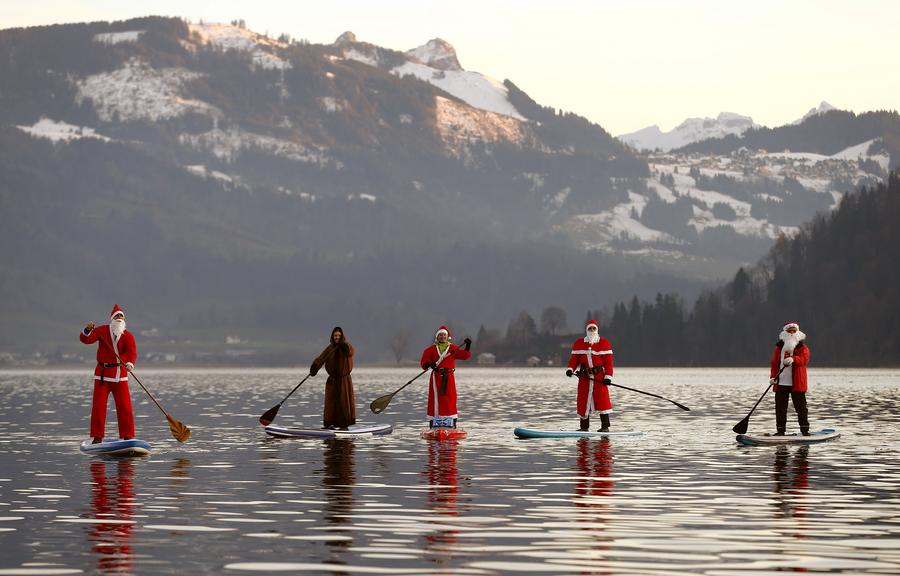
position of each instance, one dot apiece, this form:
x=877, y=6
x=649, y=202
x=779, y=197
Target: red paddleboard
x=444, y=434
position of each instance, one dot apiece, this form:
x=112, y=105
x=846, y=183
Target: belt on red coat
x=104, y=366
x=445, y=376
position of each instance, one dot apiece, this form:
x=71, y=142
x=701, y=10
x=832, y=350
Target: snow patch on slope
x=459, y=124
x=228, y=145
x=228, y=37
x=138, y=91
x=60, y=131
x=619, y=223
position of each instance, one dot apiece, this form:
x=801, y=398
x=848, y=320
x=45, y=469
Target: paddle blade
x=269, y=415
x=741, y=427
x=179, y=431
x=379, y=404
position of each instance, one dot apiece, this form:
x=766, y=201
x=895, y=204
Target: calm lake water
x=682, y=498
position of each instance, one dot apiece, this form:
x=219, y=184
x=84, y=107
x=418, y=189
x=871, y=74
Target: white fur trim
x=789, y=325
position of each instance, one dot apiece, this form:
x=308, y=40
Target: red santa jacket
x=126, y=348
x=586, y=356
x=798, y=368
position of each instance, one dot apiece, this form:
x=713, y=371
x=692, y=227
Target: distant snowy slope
x=690, y=131
x=435, y=62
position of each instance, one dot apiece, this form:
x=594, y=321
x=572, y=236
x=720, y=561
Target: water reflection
x=790, y=471
x=338, y=477
x=442, y=475
x=112, y=499
x=595, y=464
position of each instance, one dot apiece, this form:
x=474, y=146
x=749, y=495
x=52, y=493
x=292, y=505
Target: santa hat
x=445, y=330
x=593, y=323
x=790, y=325
x=116, y=310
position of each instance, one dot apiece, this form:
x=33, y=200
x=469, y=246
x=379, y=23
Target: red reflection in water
x=595, y=465
x=442, y=475
x=112, y=497
x=790, y=471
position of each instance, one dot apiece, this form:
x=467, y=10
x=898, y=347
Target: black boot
x=604, y=423
x=804, y=431
x=585, y=424
x=779, y=433
x=97, y=440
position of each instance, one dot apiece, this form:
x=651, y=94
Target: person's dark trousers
x=781, y=402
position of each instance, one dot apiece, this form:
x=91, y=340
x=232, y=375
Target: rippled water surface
x=681, y=498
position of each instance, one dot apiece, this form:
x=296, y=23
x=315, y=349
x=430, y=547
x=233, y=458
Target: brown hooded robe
x=340, y=403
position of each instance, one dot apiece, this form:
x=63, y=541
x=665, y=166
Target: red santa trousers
x=124, y=414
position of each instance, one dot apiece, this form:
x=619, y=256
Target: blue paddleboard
x=131, y=447
x=352, y=431
x=535, y=433
x=822, y=435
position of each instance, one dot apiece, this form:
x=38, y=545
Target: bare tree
x=399, y=345
x=553, y=319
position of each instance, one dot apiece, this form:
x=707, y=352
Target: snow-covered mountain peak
x=347, y=37
x=822, y=108
x=690, y=131
x=436, y=53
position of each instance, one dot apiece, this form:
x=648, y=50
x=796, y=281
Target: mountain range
x=241, y=194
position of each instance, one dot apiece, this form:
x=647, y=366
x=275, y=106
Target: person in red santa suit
x=441, y=358
x=788, y=377
x=116, y=354
x=592, y=360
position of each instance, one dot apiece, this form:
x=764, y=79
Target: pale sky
x=624, y=65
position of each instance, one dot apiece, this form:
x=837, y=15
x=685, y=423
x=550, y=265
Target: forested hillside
x=838, y=277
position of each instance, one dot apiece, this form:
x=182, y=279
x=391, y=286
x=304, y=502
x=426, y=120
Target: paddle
x=269, y=415
x=741, y=427
x=179, y=431
x=379, y=404
x=682, y=406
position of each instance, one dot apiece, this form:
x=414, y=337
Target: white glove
x=773, y=381
x=789, y=360
x=130, y=366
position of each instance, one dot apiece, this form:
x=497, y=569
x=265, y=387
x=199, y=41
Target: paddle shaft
x=766, y=391
x=138, y=380
x=591, y=378
x=385, y=400
x=305, y=378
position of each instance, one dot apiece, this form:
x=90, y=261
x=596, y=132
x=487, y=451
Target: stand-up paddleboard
x=352, y=431
x=768, y=440
x=116, y=448
x=535, y=433
x=441, y=433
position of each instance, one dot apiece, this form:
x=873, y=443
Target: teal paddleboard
x=536, y=433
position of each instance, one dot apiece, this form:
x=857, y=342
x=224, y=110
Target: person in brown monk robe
x=340, y=403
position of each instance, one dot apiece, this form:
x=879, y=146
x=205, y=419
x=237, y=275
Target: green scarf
x=442, y=347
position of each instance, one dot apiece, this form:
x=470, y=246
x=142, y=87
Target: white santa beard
x=791, y=340
x=592, y=337
x=117, y=327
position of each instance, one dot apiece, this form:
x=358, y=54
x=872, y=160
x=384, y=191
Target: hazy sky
x=624, y=65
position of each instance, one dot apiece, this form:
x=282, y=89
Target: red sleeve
x=129, y=348
x=607, y=359
x=88, y=338
x=801, y=355
x=775, y=362
x=462, y=353
x=427, y=357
